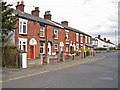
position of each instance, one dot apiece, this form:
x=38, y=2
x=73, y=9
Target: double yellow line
x=62, y=67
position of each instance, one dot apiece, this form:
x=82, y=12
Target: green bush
x=87, y=53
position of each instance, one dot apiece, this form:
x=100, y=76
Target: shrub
x=87, y=53
x=9, y=56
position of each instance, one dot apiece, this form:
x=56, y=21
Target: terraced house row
x=36, y=35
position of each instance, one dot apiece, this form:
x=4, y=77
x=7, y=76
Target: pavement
x=97, y=72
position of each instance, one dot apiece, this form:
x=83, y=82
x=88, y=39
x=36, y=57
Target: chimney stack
x=35, y=12
x=20, y=6
x=99, y=36
x=104, y=39
x=64, y=23
x=108, y=40
x=47, y=15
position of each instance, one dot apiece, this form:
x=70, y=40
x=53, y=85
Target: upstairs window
x=77, y=37
x=85, y=39
x=89, y=40
x=55, y=33
x=42, y=30
x=22, y=26
x=81, y=38
x=67, y=35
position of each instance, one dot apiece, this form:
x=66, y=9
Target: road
x=101, y=73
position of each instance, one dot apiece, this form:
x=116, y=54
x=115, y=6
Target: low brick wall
x=34, y=62
x=53, y=59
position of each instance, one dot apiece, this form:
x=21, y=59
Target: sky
x=94, y=17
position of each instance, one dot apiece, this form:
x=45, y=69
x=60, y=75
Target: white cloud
x=89, y=16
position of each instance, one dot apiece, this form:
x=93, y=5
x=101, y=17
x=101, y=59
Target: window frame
x=21, y=45
x=81, y=38
x=43, y=31
x=77, y=37
x=56, y=33
x=55, y=47
x=21, y=24
x=85, y=39
x=68, y=47
x=43, y=48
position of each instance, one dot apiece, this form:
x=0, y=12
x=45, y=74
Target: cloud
x=90, y=16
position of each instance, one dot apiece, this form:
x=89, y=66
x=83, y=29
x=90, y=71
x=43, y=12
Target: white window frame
x=77, y=37
x=43, y=31
x=56, y=33
x=68, y=48
x=21, y=25
x=89, y=40
x=67, y=35
x=77, y=46
x=43, y=48
x=85, y=39
x=57, y=47
x=21, y=45
x=81, y=38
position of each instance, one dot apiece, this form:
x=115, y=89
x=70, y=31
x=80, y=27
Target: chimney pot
x=99, y=36
x=20, y=6
x=64, y=23
x=104, y=39
x=22, y=2
x=37, y=8
x=18, y=3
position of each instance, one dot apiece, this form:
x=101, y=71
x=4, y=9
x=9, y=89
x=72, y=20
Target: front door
x=49, y=48
x=32, y=52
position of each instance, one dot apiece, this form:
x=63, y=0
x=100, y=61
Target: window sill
x=55, y=39
x=23, y=34
x=42, y=37
x=67, y=39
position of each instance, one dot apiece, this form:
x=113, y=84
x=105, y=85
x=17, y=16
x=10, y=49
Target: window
x=22, y=26
x=42, y=50
x=77, y=37
x=56, y=47
x=67, y=47
x=56, y=33
x=67, y=35
x=85, y=39
x=42, y=29
x=89, y=40
x=81, y=38
x=77, y=47
x=23, y=44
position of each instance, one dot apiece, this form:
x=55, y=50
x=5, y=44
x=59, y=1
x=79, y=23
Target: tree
x=8, y=20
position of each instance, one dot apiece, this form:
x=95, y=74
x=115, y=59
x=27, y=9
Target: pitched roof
x=104, y=40
x=45, y=21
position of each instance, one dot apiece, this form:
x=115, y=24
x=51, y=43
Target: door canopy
x=61, y=44
x=33, y=41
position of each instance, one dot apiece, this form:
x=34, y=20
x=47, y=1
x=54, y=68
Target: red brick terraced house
x=36, y=35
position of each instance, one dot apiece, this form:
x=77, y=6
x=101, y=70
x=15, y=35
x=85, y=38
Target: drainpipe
x=46, y=37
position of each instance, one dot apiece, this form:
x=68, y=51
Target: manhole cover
x=106, y=78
